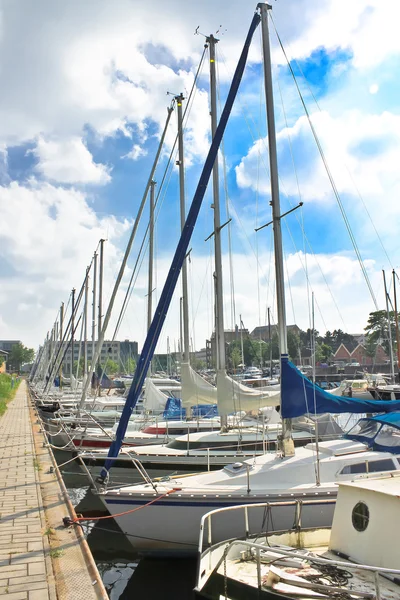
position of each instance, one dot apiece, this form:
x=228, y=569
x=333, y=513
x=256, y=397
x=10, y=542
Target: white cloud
x=374, y=88
x=367, y=29
x=69, y=161
x=47, y=238
x=334, y=309
x=361, y=151
x=136, y=152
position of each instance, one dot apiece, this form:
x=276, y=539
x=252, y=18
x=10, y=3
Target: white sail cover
x=234, y=396
x=195, y=389
x=154, y=398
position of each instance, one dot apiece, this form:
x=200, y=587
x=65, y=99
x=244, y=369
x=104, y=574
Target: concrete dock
x=39, y=558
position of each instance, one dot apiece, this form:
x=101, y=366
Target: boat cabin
x=367, y=517
x=381, y=432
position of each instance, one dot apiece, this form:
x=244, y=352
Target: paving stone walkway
x=24, y=569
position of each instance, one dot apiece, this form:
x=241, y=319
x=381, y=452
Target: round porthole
x=360, y=516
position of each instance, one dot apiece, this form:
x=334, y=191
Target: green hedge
x=8, y=387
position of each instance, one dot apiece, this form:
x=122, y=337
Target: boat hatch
x=237, y=468
x=338, y=448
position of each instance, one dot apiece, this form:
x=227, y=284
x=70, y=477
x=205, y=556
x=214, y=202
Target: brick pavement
x=25, y=568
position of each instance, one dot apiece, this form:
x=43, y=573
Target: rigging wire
x=228, y=216
x=328, y=171
x=347, y=168
x=167, y=171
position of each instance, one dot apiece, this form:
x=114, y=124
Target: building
x=117, y=351
x=7, y=346
x=262, y=332
x=230, y=336
x=3, y=361
x=358, y=355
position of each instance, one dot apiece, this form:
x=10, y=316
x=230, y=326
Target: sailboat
x=170, y=510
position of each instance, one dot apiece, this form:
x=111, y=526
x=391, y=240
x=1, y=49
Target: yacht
x=304, y=563
x=371, y=446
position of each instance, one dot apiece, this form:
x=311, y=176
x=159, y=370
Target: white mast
x=219, y=313
x=287, y=441
x=94, y=294
x=102, y=331
x=151, y=254
x=72, y=334
x=185, y=302
x=389, y=330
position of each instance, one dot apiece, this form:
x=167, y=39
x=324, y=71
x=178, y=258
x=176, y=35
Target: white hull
x=170, y=526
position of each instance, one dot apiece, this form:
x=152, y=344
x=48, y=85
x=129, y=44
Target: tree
x=110, y=367
x=236, y=357
x=19, y=356
x=378, y=328
x=130, y=366
x=2, y=359
x=370, y=346
x=323, y=353
x=293, y=342
x=340, y=337
x=81, y=365
x=198, y=365
x=307, y=336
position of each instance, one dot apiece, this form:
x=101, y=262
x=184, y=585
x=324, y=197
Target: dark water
x=125, y=574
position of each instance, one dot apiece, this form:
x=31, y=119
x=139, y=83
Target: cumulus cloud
x=48, y=235
x=331, y=277
x=69, y=161
x=77, y=69
x=136, y=152
x=361, y=151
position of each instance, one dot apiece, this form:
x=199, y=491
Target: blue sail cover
x=300, y=396
x=173, y=410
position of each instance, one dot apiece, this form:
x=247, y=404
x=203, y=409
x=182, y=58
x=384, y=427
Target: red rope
x=125, y=512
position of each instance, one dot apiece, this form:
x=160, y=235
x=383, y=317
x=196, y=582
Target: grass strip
x=8, y=389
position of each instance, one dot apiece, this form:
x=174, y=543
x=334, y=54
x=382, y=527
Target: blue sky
x=85, y=101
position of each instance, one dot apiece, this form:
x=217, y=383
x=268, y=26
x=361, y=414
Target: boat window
x=371, y=466
x=365, y=428
x=360, y=516
x=388, y=436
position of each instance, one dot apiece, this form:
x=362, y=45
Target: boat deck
x=39, y=558
x=282, y=579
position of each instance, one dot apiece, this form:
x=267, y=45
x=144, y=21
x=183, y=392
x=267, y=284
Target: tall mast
x=389, y=328
x=151, y=254
x=397, y=323
x=107, y=316
x=185, y=302
x=241, y=341
x=94, y=293
x=287, y=445
x=61, y=338
x=101, y=269
x=270, y=342
x=85, y=330
x=72, y=332
x=219, y=313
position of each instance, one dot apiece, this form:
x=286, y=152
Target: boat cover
x=300, y=396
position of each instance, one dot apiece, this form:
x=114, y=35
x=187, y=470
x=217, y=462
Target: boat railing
x=256, y=549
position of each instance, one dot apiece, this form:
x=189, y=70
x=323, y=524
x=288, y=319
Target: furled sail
x=195, y=389
x=234, y=396
x=154, y=398
x=301, y=396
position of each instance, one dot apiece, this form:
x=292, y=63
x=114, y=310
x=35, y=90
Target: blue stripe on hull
x=194, y=503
